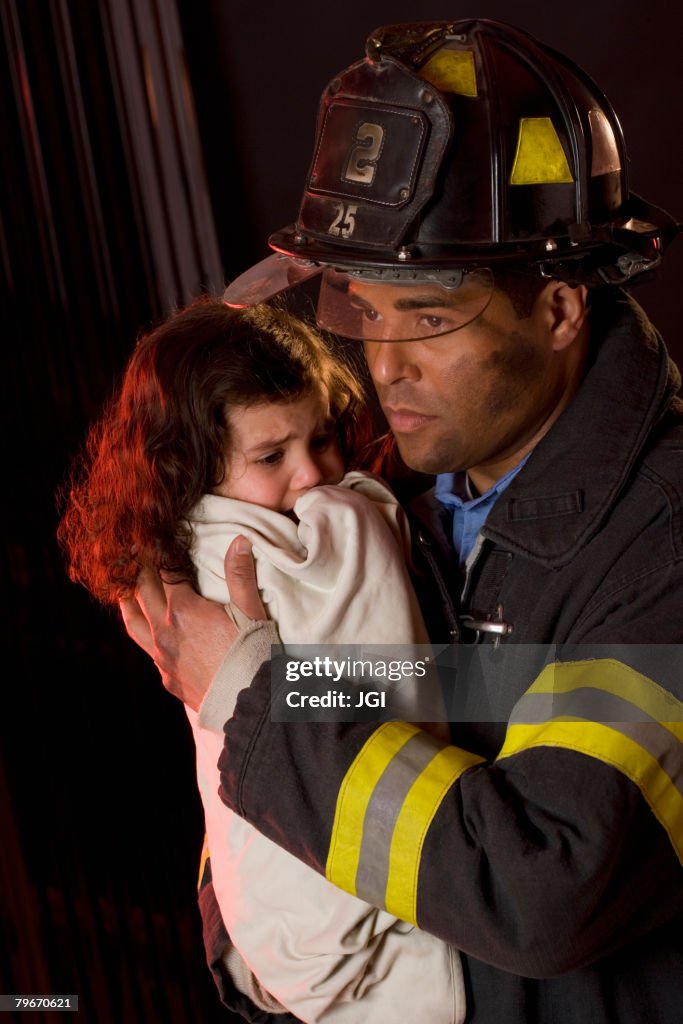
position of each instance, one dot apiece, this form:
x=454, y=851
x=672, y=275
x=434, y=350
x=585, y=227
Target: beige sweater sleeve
x=252, y=647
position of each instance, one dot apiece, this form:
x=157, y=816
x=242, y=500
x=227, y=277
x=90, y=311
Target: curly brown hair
x=161, y=441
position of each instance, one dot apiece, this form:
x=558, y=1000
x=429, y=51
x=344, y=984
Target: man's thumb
x=240, y=575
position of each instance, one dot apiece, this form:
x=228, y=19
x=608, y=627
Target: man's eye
x=366, y=312
x=435, y=323
x=370, y=314
x=271, y=459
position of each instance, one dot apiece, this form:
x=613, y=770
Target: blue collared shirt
x=469, y=514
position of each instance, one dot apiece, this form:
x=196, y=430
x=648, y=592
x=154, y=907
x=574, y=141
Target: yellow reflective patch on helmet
x=540, y=158
x=451, y=71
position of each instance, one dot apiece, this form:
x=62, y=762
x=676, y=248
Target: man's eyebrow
x=425, y=301
x=358, y=300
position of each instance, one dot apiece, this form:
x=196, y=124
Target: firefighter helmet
x=450, y=150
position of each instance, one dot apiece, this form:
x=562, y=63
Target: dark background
x=149, y=147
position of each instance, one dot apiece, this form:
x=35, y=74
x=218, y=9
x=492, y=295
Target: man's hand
x=187, y=635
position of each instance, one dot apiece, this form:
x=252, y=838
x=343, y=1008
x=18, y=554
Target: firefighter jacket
x=545, y=842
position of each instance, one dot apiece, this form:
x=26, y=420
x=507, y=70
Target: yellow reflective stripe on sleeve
x=451, y=71
x=385, y=806
x=416, y=815
x=612, y=747
x=353, y=799
x=643, y=739
x=613, y=677
x=540, y=158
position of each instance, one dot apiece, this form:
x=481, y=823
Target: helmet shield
x=383, y=304
x=354, y=305
x=268, y=278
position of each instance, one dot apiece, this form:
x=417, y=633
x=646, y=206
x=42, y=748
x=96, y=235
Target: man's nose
x=390, y=361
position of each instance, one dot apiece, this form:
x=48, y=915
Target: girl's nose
x=308, y=474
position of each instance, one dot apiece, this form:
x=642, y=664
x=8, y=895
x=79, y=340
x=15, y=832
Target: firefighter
x=468, y=219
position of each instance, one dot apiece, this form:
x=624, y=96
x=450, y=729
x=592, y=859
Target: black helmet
x=452, y=149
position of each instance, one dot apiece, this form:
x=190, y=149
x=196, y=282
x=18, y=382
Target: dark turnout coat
x=546, y=841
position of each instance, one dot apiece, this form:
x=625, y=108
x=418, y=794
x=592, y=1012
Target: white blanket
x=338, y=575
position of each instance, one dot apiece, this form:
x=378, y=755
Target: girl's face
x=280, y=450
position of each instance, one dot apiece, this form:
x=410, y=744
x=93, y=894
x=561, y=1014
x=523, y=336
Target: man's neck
x=482, y=478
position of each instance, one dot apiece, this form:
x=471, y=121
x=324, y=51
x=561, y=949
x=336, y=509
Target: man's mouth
x=405, y=421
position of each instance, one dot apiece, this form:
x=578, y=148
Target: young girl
x=241, y=421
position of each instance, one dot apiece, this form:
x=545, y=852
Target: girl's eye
x=271, y=459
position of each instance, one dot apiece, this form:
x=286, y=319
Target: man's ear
x=565, y=312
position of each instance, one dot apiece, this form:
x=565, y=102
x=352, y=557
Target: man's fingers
x=137, y=625
x=187, y=636
x=150, y=595
x=240, y=574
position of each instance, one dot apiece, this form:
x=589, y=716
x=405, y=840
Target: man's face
x=468, y=399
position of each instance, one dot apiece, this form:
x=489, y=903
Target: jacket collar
x=566, y=490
